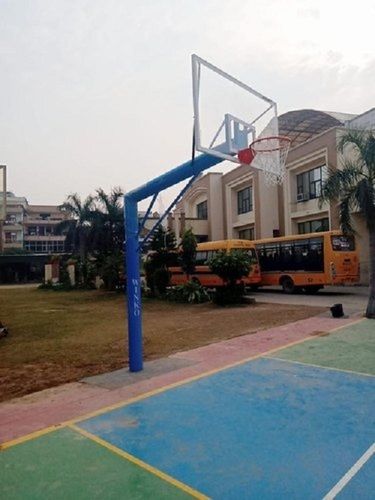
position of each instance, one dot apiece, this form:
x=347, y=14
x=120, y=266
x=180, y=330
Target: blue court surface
x=268, y=428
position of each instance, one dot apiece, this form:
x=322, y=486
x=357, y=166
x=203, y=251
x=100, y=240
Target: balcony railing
x=40, y=237
x=37, y=221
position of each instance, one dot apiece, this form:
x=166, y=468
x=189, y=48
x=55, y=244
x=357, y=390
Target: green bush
x=47, y=285
x=230, y=267
x=190, y=292
x=188, y=251
x=149, y=269
x=110, y=268
x=56, y=287
x=86, y=272
x=160, y=280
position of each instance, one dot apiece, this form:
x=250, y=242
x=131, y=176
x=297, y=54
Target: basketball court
x=292, y=423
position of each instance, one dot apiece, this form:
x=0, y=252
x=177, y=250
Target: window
x=201, y=258
x=45, y=246
x=343, y=243
x=245, y=200
x=309, y=184
x=246, y=234
x=313, y=226
x=294, y=255
x=10, y=237
x=201, y=238
x=249, y=251
x=202, y=210
x=11, y=219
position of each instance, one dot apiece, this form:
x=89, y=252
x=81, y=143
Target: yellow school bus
x=205, y=251
x=308, y=261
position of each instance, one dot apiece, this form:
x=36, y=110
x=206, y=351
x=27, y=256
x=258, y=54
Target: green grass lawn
x=58, y=337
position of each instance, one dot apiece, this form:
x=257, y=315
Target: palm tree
x=78, y=226
x=354, y=188
x=109, y=221
x=108, y=236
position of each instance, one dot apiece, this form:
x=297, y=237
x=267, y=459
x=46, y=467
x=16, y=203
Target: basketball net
x=268, y=154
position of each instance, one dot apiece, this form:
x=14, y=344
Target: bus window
x=249, y=251
x=210, y=254
x=200, y=258
x=343, y=243
x=316, y=257
x=286, y=258
x=308, y=261
x=301, y=255
x=269, y=257
x=252, y=253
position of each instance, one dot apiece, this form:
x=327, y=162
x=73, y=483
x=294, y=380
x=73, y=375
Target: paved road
x=353, y=298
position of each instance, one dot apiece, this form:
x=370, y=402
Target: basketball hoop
x=268, y=154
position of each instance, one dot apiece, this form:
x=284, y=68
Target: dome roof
x=302, y=124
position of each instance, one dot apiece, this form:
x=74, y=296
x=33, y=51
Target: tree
x=108, y=222
x=163, y=240
x=230, y=267
x=79, y=224
x=354, y=189
x=188, y=251
x=163, y=247
x=107, y=237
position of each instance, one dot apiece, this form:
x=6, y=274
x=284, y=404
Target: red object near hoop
x=246, y=156
x=271, y=153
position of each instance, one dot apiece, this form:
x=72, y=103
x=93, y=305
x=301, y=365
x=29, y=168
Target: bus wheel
x=312, y=289
x=288, y=285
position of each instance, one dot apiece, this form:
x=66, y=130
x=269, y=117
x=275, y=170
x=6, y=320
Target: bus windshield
x=343, y=243
x=249, y=251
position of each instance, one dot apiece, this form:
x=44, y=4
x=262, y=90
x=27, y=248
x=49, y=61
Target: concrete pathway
x=353, y=298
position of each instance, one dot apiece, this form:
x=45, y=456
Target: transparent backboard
x=228, y=114
x=2, y=192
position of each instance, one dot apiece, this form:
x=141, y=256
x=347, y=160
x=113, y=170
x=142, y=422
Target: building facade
x=239, y=204
x=32, y=228
x=12, y=228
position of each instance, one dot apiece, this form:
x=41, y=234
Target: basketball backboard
x=228, y=114
x=3, y=190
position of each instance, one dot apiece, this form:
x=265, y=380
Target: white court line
x=350, y=474
x=319, y=366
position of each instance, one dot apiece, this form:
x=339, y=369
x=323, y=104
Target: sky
x=97, y=93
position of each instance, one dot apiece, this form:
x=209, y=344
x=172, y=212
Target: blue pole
x=133, y=285
x=188, y=169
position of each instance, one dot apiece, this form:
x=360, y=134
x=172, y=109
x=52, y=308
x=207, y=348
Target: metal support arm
x=191, y=168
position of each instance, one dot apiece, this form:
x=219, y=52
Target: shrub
x=160, y=280
x=110, y=269
x=47, y=285
x=230, y=267
x=188, y=251
x=190, y=292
